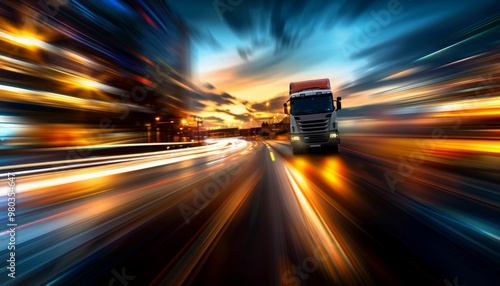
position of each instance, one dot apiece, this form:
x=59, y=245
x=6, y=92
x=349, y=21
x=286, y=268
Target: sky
x=386, y=56
x=250, y=51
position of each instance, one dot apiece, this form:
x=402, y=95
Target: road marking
x=216, y=161
x=272, y=155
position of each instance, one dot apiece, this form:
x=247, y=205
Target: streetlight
x=199, y=122
x=157, y=129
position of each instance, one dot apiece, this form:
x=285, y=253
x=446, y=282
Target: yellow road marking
x=272, y=155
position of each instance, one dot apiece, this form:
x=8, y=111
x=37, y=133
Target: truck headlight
x=334, y=135
x=295, y=138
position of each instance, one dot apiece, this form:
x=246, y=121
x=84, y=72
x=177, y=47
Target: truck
x=313, y=116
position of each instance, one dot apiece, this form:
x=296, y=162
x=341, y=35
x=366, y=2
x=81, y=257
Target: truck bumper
x=309, y=141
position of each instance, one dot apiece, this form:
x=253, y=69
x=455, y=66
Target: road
x=242, y=212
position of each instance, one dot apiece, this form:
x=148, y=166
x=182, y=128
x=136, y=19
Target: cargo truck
x=313, y=116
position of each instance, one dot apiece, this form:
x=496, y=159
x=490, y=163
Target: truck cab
x=313, y=116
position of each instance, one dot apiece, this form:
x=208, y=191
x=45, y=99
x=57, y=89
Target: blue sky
x=253, y=49
x=246, y=52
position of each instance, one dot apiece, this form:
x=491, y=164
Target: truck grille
x=316, y=138
x=313, y=125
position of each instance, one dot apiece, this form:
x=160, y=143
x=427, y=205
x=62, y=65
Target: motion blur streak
x=91, y=91
x=341, y=264
x=70, y=209
x=212, y=231
x=117, y=158
x=321, y=215
x=140, y=163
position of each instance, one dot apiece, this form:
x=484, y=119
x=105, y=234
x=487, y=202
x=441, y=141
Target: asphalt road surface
x=242, y=212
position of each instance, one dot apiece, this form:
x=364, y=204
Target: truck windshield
x=311, y=104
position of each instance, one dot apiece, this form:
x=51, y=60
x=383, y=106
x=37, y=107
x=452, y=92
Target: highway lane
x=251, y=213
x=67, y=216
x=443, y=222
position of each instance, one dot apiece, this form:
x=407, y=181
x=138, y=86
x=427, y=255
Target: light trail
x=123, y=166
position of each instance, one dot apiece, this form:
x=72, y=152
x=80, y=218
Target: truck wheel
x=296, y=151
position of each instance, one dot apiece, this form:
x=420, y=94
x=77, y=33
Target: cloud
x=205, y=36
x=283, y=41
x=275, y=104
x=282, y=24
x=196, y=106
x=468, y=33
x=243, y=117
x=209, y=86
x=244, y=52
x=287, y=23
x=216, y=99
x=213, y=119
x=257, y=72
x=226, y=95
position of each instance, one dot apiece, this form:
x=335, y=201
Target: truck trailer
x=313, y=116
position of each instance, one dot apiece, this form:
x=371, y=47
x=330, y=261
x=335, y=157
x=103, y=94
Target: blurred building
x=106, y=68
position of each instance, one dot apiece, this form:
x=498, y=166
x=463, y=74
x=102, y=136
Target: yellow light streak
x=53, y=99
x=26, y=40
x=87, y=83
x=328, y=241
x=481, y=146
x=33, y=182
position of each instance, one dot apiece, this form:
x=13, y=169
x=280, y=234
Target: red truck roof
x=297, y=86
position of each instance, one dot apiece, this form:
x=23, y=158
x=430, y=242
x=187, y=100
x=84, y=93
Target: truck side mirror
x=339, y=104
x=285, y=110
